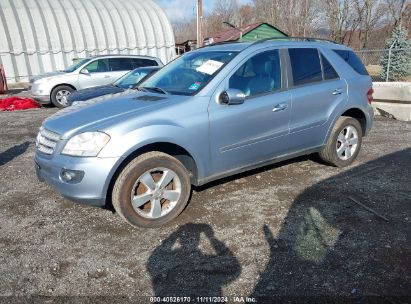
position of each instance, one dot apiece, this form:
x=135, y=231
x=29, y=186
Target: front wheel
x=59, y=96
x=344, y=143
x=152, y=190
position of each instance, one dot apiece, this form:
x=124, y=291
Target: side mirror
x=84, y=71
x=232, y=97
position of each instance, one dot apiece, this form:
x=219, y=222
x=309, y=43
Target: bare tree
x=358, y=23
x=296, y=17
x=395, y=11
x=223, y=11
x=370, y=13
x=340, y=18
x=185, y=30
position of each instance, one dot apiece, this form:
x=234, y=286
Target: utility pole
x=200, y=38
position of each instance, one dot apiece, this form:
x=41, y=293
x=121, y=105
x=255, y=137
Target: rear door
x=316, y=91
x=119, y=67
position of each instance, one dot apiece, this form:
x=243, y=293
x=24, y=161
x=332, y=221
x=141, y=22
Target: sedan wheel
x=59, y=96
x=62, y=96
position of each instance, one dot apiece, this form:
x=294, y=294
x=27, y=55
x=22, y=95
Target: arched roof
x=40, y=36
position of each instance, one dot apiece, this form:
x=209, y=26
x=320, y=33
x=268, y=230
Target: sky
x=180, y=10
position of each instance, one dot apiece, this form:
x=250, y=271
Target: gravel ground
x=290, y=229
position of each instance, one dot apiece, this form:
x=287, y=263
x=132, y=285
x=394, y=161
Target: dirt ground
x=291, y=229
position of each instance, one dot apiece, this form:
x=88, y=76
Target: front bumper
x=91, y=190
x=40, y=93
x=41, y=99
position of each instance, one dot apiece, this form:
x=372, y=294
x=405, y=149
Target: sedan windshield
x=132, y=78
x=188, y=74
x=78, y=64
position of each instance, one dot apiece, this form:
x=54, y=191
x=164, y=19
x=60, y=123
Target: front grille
x=46, y=141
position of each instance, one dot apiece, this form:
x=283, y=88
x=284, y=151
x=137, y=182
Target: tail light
x=369, y=95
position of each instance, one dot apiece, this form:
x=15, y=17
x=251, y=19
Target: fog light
x=71, y=176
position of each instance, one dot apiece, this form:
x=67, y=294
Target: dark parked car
x=128, y=81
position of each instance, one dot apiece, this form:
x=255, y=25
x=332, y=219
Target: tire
x=134, y=183
x=60, y=94
x=342, y=148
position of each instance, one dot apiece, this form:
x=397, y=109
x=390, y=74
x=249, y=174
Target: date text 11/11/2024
x=202, y=300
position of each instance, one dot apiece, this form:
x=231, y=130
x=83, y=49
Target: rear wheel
x=60, y=94
x=152, y=190
x=344, y=143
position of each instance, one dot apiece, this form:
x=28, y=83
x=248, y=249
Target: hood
x=34, y=78
x=90, y=93
x=92, y=114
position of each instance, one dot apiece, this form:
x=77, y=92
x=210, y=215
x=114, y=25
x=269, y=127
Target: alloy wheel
x=347, y=142
x=155, y=193
x=62, y=96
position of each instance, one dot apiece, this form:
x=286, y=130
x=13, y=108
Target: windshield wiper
x=155, y=89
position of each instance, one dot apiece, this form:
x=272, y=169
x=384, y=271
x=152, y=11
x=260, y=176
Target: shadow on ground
x=327, y=245
x=178, y=267
x=13, y=152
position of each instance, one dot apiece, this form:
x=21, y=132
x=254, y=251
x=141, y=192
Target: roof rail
x=220, y=43
x=294, y=38
x=312, y=39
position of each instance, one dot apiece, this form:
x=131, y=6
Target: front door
x=98, y=75
x=255, y=131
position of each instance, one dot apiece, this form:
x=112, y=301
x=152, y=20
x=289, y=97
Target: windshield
x=77, y=65
x=188, y=74
x=132, y=78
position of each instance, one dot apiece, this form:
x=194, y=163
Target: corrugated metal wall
x=39, y=36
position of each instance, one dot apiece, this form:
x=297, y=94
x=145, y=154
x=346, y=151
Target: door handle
x=280, y=107
x=107, y=76
x=337, y=92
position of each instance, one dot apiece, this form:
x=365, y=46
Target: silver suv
x=87, y=73
x=211, y=113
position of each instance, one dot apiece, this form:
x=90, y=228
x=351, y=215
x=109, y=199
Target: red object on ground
x=3, y=81
x=17, y=103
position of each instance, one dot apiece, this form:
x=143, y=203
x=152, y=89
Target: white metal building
x=39, y=36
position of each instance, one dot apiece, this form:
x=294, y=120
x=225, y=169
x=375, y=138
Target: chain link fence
x=387, y=65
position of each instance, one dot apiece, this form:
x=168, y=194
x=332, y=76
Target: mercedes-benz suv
x=211, y=113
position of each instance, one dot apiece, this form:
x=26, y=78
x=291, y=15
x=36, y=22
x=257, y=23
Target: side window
x=98, y=66
x=329, y=71
x=352, y=59
x=305, y=65
x=260, y=74
x=120, y=64
x=140, y=62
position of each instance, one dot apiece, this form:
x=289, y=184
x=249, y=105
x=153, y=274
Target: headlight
x=86, y=144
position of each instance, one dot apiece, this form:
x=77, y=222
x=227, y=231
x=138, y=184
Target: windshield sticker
x=210, y=67
x=195, y=86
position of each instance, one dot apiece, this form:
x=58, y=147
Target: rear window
x=120, y=64
x=352, y=59
x=305, y=65
x=141, y=62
